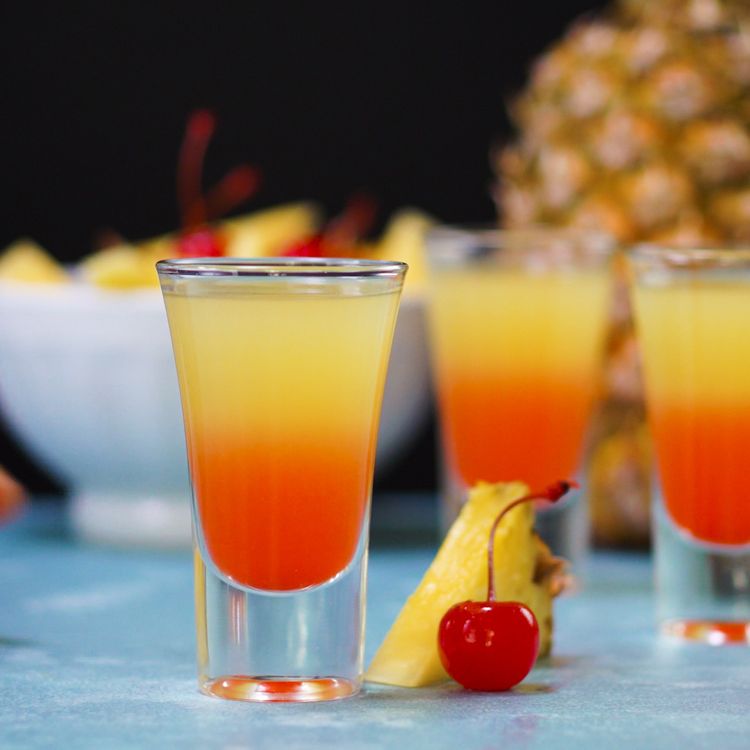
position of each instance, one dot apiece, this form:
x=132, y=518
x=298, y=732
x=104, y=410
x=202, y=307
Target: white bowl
x=88, y=385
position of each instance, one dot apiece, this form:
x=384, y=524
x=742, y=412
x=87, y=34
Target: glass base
x=283, y=646
x=702, y=590
x=275, y=690
x=714, y=633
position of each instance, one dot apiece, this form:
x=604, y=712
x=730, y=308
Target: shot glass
x=692, y=311
x=518, y=320
x=281, y=365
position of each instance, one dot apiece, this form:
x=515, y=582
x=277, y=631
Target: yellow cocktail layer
x=695, y=338
x=280, y=365
x=517, y=323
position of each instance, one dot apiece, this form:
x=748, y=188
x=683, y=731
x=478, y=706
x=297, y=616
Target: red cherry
x=340, y=236
x=310, y=247
x=493, y=645
x=201, y=243
x=488, y=645
x=196, y=207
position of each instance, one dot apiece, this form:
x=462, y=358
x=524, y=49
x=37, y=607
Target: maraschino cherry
x=493, y=645
x=198, y=240
x=341, y=234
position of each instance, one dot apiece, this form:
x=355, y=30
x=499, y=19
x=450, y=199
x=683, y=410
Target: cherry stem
x=198, y=133
x=354, y=222
x=552, y=494
x=234, y=188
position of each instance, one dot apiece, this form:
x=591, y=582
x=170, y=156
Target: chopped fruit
x=403, y=239
x=25, y=261
x=122, y=267
x=492, y=645
x=158, y=248
x=235, y=187
x=314, y=246
x=200, y=243
x=525, y=572
x=341, y=236
x=270, y=232
x=199, y=240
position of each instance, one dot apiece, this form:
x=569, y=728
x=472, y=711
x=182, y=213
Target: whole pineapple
x=636, y=123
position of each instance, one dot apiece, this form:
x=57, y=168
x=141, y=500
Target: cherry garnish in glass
x=198, y=239
x=493, y=645
x=340, y=235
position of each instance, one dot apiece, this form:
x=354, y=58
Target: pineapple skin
x=408, y=657
x=638, y=123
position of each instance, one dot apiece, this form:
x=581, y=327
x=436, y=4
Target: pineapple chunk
x=25, y=261
x=403, y=239
x=259, y=234
x=121, y=267
x=159, y=248
x=269, y=232
x=525, y=572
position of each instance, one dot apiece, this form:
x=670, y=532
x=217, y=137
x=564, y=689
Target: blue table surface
x=97, y=650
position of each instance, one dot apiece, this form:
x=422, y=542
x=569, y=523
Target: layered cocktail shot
x=518, y=321
x=281, y=365
x=693, y=319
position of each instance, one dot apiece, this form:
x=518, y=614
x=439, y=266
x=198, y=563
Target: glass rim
x=491, y=234
x=284, y=267
x=688, y=257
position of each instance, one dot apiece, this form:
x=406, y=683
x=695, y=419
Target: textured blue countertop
x=96, y=650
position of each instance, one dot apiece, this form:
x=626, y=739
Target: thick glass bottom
x=714, y=633
x=703, y=591
x=276, y=690
x=289, y=646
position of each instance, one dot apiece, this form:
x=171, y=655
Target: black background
x=404, y=101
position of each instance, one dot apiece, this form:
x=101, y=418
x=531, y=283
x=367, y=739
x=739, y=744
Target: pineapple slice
x=269, y=232
x=259, y=234
x=525, y=571
x=403, y=239
x=159, y=248
x=121, y=267
x=25, y=261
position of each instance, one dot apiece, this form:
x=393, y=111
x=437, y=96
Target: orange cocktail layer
x=281, y=516
x=281, y=395
x=501, y=429
x=704, y=454
x=516, y=355
x=696, y=356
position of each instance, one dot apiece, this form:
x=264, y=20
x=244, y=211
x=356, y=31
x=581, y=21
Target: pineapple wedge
x=121, y=267
x=256, y=235
x=525, y=571
x=403, y=239
x=26, y=261
x=269, y=232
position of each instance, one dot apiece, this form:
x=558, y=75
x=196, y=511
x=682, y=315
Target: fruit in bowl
x=87, y=380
